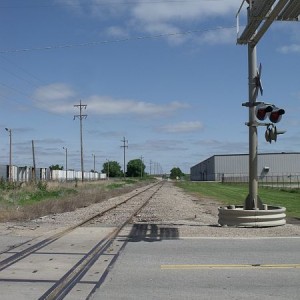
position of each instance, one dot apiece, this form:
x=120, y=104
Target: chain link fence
x=291, y=181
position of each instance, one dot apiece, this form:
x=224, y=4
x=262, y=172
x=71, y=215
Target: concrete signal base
x=236, y=215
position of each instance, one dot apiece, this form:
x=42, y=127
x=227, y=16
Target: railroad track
x=83, y=248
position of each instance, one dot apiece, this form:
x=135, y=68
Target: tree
x=56, y=167
x=176, y=173
x=135, y=168
x=112, y=169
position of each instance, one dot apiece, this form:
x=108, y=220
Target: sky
x=168, y=76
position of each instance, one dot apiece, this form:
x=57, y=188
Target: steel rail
x=59, y=290
x=28, y=251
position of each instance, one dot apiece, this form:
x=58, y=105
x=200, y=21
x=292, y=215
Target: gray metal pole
x=251, y=200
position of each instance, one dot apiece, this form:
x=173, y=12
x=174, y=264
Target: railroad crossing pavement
x=160, y=263
x=204, y=268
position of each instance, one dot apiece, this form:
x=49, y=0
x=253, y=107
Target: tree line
x=135, y=168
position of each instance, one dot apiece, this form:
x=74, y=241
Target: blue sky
x=175, y=97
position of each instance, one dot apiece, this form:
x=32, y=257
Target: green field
x=237, y=193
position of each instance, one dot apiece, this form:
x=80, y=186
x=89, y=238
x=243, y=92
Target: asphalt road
x=205, y=268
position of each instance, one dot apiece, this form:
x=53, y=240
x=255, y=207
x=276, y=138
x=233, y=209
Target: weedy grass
x=23, y=202
x=237, y=193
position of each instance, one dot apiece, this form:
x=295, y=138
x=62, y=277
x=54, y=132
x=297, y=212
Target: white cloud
x=294, y=48
x=182, y=127
x=95, y=8
x=59, y=98
x=54, y=91
x=116, y=31
x=109, y=106
x=55, y=98
x=222, y=36
x=159, y=17
x=184, y=11
x=164, y=28
x=167, y=17
x=222, y=146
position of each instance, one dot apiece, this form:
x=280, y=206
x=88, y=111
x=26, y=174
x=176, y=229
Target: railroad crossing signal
x=264, y=110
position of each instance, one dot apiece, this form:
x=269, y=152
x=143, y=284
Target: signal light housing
x=276, y=114
x=264, y=110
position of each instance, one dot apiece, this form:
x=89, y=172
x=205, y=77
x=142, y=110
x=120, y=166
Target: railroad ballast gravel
x=170, y=210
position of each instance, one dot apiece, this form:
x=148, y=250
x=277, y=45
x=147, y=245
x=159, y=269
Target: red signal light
x=262, y=111
x=276, y=114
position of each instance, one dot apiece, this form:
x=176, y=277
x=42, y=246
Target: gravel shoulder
x=170, y=208
x=198, y=217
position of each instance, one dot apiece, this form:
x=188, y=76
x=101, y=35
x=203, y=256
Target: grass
x=35, y=200
x=237, y=193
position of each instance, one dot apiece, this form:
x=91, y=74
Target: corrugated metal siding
x=280, y=164
x=237, y=164
x=204, y=170
x=271, y=164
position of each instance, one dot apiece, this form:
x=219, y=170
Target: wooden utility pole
x=10, y=154
x=124, y=146
x=33, y=158
x=80, y=117
x=66, y=150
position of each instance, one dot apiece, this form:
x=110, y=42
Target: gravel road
x=170, y=207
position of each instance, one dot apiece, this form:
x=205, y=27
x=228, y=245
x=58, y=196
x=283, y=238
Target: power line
x=11, y=62
x=95, y=43
x=102, y=3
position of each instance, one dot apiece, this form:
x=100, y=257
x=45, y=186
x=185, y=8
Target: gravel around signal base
x=169, y=208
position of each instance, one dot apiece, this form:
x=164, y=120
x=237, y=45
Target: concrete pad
x=80, y=291
x=40, y=267
x=23, y=290
x=81, y=240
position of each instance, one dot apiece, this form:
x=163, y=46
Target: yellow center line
x=230, y=266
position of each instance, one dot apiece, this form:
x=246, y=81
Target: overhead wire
x=101, y=3
x=103, y=42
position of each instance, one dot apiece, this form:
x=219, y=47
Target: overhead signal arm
x=263, y=13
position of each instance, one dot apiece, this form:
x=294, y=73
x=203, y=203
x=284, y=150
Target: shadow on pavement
x=152, y=233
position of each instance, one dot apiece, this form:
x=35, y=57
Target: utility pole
x=10, y=154
x=33, y=158
x=124, y=146
x=94, y=156
x=141, y=166
x=81, y=117
x=66, y=149
x=107, y=169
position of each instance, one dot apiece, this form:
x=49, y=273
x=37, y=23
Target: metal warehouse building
x=235, y=167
